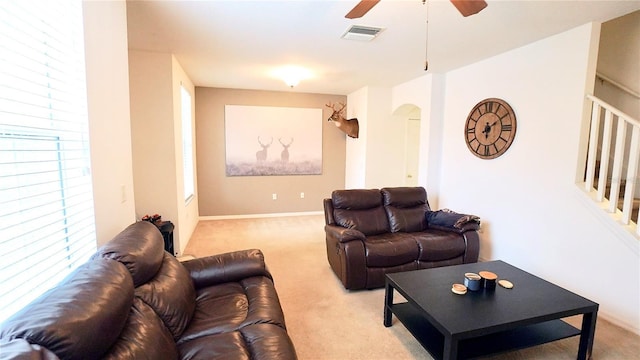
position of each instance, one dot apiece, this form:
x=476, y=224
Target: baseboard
x=619, y=322
x=256, y=216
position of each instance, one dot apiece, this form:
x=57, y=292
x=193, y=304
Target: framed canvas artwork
x=271, y=141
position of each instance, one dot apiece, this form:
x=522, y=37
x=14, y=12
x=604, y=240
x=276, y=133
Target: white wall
x=533, y=215
x=105, y=26
x=385, y=154
x=377, y=158
x=356, y=149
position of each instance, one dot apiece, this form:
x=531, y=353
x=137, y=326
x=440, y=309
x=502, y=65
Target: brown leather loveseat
x=133, y=300
x=371, y=232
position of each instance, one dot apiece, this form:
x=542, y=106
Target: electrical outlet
x=301, y=195
x=274, y=196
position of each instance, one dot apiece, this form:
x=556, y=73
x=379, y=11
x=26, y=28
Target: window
x=187, y=145
x=46, y=202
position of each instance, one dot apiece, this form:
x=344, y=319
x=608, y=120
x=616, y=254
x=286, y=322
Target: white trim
x=623, y=323
x=254, y=216
x=624, y=233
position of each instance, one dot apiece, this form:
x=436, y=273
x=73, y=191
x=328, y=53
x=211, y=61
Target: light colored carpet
x=327, y=322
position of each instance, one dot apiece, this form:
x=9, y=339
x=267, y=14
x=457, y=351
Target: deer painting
x=284, y=155
x=349, y=127
x=261, y=155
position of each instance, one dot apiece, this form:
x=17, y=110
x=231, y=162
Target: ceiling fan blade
x=362, y=8
x=469, y=7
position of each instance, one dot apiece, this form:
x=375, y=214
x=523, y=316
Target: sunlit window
x=46, y=203
x=187, y=145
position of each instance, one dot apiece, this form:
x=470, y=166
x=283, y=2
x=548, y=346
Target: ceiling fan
x=466, y=7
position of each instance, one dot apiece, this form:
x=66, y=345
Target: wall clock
x=490, y=128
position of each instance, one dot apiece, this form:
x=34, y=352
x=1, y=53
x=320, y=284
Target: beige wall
x=618, y=60
x=220, y=195
x=157, y=137
x=152, y=133
x=105, y=30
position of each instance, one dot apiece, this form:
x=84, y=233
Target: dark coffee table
x=484, y=322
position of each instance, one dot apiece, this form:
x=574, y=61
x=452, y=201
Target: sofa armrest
x=342, y=234
x=227, y=267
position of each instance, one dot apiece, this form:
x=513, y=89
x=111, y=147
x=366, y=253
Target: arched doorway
x=409, y=116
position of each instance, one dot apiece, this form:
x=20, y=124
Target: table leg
x=587, y=333
x=450, y=348
x=388, y=302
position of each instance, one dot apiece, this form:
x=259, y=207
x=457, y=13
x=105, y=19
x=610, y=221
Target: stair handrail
x=620, y=86
x=621, y=114
x=618, y=157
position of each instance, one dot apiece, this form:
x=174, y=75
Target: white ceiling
x=237, y=43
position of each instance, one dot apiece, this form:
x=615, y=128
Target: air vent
x=361, y=33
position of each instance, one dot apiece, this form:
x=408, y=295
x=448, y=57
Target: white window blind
x=46, y=204
x=187, y=145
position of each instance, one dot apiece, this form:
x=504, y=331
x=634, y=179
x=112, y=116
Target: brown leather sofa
x=371, y=232
x=133, y=300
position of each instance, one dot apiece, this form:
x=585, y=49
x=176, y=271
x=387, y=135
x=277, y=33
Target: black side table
x=166, y=228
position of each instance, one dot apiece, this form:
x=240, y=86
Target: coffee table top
x=531, y=300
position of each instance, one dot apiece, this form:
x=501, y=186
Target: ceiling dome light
x=291, y=80
x=291, y=74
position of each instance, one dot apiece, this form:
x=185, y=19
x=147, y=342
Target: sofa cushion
x=356, y=199
x=391, y=249
x=232, y=306
x=140, y=247
x=144, y=337
x=438, y=245
x=79, y=318
x=404, y=197
x=171, y=295
x=226, y=345
x=405, y=207
x=268, y=341
x=361, y=210
x=259, y=341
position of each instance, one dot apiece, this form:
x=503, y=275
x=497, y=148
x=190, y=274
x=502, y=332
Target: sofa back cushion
x=171, y=295
x=140, y=247
x=406, y=208
x=360, y=209
x=144, y=337
x=81, y=317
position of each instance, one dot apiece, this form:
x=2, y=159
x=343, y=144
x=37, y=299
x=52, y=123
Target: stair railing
x=623, y=160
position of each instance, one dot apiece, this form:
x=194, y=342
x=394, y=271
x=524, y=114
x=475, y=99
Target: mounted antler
x=351, y=127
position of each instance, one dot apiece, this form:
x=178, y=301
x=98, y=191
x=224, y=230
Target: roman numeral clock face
x=490, y=128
